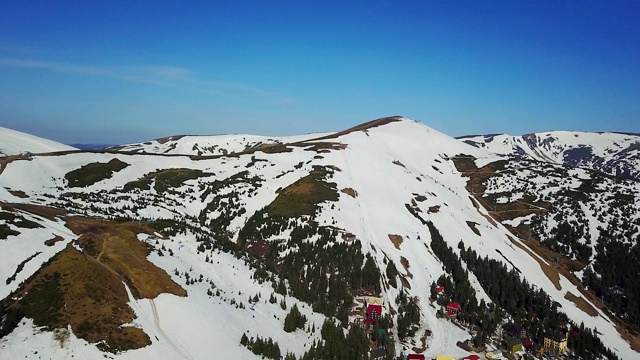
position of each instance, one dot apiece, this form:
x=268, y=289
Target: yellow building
x=555, y=341
x=444, y=357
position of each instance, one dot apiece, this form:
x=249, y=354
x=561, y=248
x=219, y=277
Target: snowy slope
x=611, y=153
x=14, y=142
x=388, y=166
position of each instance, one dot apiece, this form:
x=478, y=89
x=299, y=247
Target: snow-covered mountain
x=150, y=252
x=210, y=145
x=15, y=143
x=616, y=154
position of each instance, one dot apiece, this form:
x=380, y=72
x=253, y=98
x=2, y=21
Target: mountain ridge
x=384, y=185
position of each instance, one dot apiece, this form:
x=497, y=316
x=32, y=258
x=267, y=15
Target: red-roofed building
x=440, y=289
x=472, y=357
x=374, y=312
x=453, y=308
x=415, y=356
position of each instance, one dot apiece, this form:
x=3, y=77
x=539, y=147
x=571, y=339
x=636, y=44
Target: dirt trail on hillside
x=156, y=320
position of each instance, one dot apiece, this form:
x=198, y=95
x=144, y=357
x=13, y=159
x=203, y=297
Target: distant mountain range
x=615, y=154
x=250, y=247
x=91, y=146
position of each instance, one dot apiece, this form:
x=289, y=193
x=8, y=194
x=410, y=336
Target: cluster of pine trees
x=259, y=346
x=408, y=317
x=336, y=345
x=618, y=282
x=324, y=272
x=459, y=288
x=294, y=320
x=569, y=238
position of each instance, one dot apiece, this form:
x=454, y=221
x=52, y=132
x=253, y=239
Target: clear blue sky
x=125, y=71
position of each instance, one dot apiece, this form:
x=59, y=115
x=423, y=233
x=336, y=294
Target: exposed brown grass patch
x=120, y=250
x=477, y=206
x=18, y=193
x=273, y=148
x=350, y=191
x=405, y=282
x=434, y=209
x=54, y=240
x=74, y=290
x=361, y=127
x=165, y=140
x=631, y=337
x=396, y=240
x=322, y=147
x=405, y=264
x=84, y=289
x=397, y=162
x=581, y=303
x=301, y=188
x=473, y=226
x=44, y=211
x=304, y=196
x=500, y=210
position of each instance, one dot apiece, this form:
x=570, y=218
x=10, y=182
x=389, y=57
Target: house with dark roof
x=513, y=330
x=513, y=344
x=377, y=354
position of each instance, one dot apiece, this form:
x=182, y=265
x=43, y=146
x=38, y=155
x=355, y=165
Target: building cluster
x=513, y=337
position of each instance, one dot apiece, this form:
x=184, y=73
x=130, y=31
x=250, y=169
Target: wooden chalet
x=348, y=236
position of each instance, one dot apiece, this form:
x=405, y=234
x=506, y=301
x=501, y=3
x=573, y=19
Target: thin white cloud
x=90, y=70
x=169, y=72
x=155, y=75
x=151, y=74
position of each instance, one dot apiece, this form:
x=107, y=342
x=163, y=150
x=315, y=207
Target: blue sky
x=117, y=72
